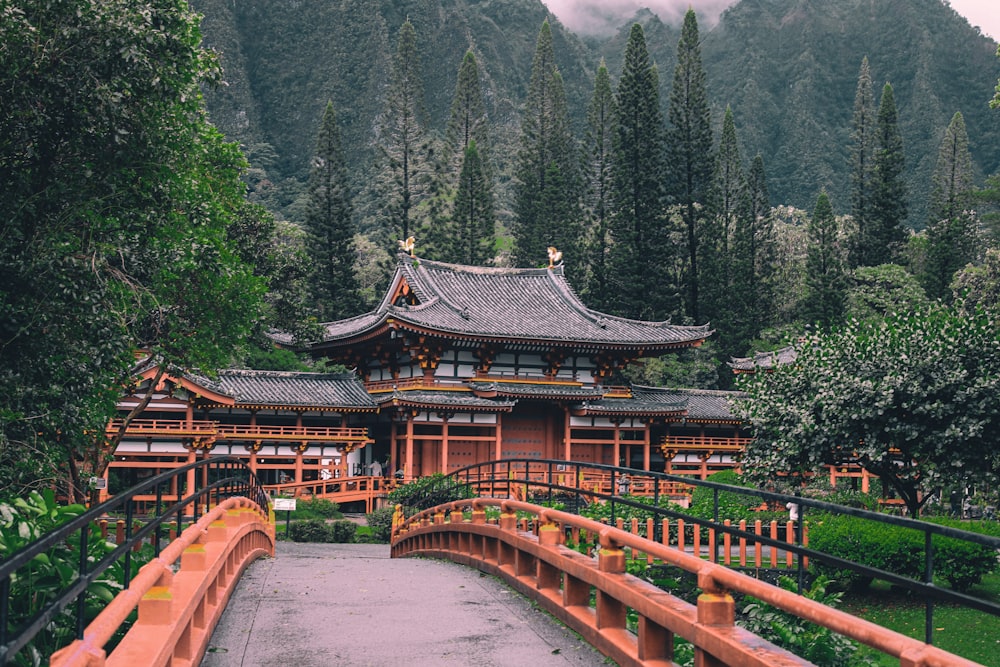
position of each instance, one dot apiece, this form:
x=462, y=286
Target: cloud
x=598, y=17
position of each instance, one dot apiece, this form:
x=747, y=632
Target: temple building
x=457, y=365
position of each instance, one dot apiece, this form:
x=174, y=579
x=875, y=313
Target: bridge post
x=715, y=608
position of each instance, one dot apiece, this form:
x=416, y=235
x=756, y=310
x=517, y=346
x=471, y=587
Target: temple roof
x=431, y=399
x=339, y=391
x=764, y=361
x=555, y=391
x=699, y=405
x=500, y=304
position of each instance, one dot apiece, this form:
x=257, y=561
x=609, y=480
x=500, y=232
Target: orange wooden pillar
x=567, y=441
x=408, y=463
x=617, y=455
x=300, y=450
x=498, y=454
x=444, y=443
x=645, y=444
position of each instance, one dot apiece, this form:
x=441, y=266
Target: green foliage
x=689, y=149
x=898, y=550
x=316, y=508
x=331, y=226
x=818, y=645
x=732, y=505
x=380, y=522
x=825, y=279
x=547, y=192
x=343, y=532
x=910, y=398
x=117, y=198
x=310, y=530
x=876, y=291
x=427, y=492
x=24, y=520
x=695, y=368
x=639, y=242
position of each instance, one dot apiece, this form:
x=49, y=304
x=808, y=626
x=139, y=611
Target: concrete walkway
x=320, y=605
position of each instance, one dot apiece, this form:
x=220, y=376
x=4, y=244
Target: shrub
x=316, y=508
x=380, y=522
x=343, y=532
x=427, y=492
x=898, y=550
x=310, y=530
x=815, y=643
x=732, y=505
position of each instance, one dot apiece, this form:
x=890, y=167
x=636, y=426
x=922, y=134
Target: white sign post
x=287, y=504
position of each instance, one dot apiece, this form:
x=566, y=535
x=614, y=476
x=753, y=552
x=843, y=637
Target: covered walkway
x=317, y=605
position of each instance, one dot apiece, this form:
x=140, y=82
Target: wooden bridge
x=180, y=594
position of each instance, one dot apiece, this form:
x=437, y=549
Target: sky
x=596, y=16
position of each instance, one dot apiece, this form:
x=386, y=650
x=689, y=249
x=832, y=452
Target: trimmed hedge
x=315, y=530
x=896, y=549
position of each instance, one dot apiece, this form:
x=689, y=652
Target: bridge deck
x=316, y=605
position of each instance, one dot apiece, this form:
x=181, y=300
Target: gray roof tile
x=507, y=304
x=328, y=390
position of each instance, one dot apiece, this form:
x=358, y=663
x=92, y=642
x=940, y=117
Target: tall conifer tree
x=547, y=212
x=330, y=226
x=468, y=121
x=754, y=255
x=862, y=250
x=689, y=147
x=473, y=216
x=726, y=196
x=404, y=135
x=889, y=203
x=826, y=287
x=640, y=251
x=601, y=128
x=951, y=230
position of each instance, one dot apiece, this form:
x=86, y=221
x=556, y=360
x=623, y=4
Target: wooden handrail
x=561, y=580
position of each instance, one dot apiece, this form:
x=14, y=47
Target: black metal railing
x=547, y=479
x=147, y=510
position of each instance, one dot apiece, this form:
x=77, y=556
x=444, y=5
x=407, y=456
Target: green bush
x=380, y=523
x=24, y=520
x=964, y=564
x=342, y=532
x=817, y=644
x=316, y=508
x=898, y=550
x=427, y=492
x=732, y=505
x=310, y=530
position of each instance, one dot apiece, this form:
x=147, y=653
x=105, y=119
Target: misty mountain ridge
x=788, y=68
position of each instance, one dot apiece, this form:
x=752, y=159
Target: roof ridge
x=256, y=372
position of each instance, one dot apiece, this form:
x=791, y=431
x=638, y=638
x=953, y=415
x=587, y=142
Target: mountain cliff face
x=788, y=68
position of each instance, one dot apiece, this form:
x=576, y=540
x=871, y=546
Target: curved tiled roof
x=443, y=399
x=505, y=304
x=332, y=390
x=764, y=361
x=536, y=390
x=695, y=404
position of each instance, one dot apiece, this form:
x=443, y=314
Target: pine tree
x=862, y=250
x=404, y=138
x=825, y=296
x=474, y=236
x=639, y=252
x=546, y=148
x=601, y=128
x=888, y=204
x=951, y=230
x=726, y=195
x=754, y=258
x=689, y=147
x=330, y=225
x=468, y=121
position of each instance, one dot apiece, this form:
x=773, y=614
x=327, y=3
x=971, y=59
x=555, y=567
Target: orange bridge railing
x=564, y=582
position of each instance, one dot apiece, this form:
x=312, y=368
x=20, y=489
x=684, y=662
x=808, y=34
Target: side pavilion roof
x=501, y=305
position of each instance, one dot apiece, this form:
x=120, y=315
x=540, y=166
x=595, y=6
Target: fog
x=599, y=17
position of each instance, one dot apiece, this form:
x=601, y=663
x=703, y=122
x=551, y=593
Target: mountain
x=788, y=68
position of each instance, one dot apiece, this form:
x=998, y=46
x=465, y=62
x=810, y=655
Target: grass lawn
x=965, y=632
